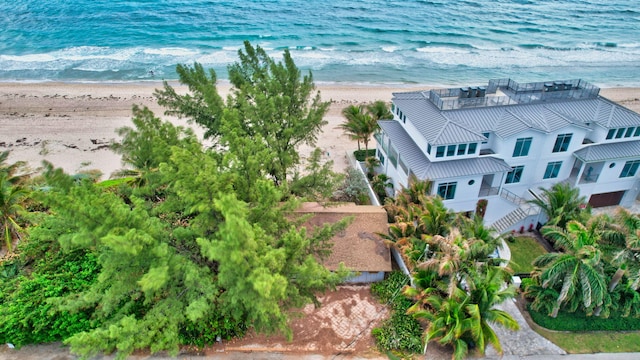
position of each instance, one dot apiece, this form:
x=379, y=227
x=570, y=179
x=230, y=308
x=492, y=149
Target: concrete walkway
x=524, y=342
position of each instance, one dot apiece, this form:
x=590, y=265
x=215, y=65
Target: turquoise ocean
x=437, y=42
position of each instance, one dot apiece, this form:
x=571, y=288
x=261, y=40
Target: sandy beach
x=72, y=124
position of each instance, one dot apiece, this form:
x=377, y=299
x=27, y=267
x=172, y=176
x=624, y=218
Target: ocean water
x=437, y=42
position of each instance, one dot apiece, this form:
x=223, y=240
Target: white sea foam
x=29, y=58
x=441, y=50
x=171, y=51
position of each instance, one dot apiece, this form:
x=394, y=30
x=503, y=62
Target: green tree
x=436, y=219
x=14, y=172
x=379, y=110
x=487, y=289
x=577, y=271
x=624, y=231
x=562, y=203
x=270, y=104
x=452, y=320
x=361, y=123
x=319, y=182
x=12, y=197
x=353, y=126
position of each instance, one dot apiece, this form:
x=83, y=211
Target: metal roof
x=441, y=127
x=420, y=165
x=609, y=151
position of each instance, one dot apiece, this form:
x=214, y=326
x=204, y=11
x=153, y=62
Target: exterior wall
x=599, y=135
x=540, y=154
x=364, y=277
x=415, y=135
x=398, y=178
x=466, y=196
x=609, y=180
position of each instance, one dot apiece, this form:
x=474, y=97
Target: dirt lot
x=342, y=325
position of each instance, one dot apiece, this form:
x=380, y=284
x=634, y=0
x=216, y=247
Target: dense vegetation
x=400, y=332
x=595, y=270
x=193, y=243
x=456, y=280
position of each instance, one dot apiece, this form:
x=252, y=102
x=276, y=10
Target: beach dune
x=72, y=124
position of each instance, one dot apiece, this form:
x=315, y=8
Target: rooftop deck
x=502, y=92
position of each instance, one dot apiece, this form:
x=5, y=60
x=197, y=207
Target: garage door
x=606, y=199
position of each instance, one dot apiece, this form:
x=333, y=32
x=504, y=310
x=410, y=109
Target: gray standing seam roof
x=609, y=151
x=420, y=165
x=442, y=127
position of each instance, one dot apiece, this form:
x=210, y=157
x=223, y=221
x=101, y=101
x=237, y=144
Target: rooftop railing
x=512, y=93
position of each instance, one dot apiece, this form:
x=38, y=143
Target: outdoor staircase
x=523, y=211
x=507, y=221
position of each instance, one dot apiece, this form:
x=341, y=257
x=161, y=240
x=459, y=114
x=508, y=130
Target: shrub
x=361, y=155
x=579, y=321
x=354, y=188
x=27, y=313
x=401, y=331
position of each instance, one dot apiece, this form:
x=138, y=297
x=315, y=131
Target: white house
x=504, y=141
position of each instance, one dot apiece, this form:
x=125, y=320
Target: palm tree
x=625, y=230
x=11, y=200
x=562, y=203
x=10, y=170
x=379, y=110
x=437, y=218
x=452, y=319
x=450, y=258
x=362, y=122
x=578, y=270
x=353, y=127
x=486, y=290
x=474, y=228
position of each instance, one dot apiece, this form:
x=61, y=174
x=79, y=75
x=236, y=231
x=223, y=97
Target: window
x=611, y=133
x=629, y=132
x=403, y=165
x=472, y=148
x=487, y=136
x=393, y=156
x=514, y=175
x=462, y=149
x=404, y=119
x=637, y=131
x=619, y=133
x=440, y=151
x=381, y=157
x=429, y=149
x=562, y=143
x=553, y=168
x=447, y=191
x=630, y=168
x=451, y=150
x=522, y=147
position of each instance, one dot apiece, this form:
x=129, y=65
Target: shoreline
x=71, y=124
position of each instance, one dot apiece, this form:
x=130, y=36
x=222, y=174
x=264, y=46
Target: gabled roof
x=420, y=165
x=441, y=127
x=358, y=247
x=609, y=151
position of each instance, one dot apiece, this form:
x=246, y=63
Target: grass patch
x=594, y=342
x=524, y=249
